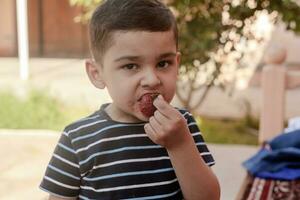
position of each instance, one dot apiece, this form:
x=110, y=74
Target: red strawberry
x=146, y=104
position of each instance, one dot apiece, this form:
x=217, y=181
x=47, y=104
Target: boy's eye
x=130, y=66
x=163, y=64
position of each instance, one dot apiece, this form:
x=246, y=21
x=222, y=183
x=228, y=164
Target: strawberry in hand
x=146, y=105
x=167, y=127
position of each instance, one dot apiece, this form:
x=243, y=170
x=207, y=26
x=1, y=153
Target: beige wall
x=7, y=28
x=290, y=41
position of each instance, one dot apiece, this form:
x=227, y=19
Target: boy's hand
x=167, y=127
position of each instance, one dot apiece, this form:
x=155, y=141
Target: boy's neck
x=117, y=115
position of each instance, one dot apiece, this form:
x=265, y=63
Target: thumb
x=161, y=104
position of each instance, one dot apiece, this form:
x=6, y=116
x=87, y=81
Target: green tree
x=211, y=33
x=87, y=6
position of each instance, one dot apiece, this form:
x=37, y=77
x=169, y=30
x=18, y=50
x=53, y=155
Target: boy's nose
x=150, y=79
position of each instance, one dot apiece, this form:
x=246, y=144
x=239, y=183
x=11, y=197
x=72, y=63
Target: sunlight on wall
x=263, y=25
x=262, y=29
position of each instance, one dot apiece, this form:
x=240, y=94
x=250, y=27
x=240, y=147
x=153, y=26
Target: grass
x=40, y=111
x=36, y=111
x=227, y=131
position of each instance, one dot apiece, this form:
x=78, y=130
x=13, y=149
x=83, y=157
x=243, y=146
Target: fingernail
x=160, y=97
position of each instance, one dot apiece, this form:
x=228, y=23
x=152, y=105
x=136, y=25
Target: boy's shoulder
x=185, y=113
x=182, y=110
x=89, y=123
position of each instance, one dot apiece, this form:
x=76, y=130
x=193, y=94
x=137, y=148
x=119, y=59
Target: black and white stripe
x=97, y=157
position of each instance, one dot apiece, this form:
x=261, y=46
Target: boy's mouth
x=146, y=104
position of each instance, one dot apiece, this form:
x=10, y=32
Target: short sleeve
x=62, y=177
x=198, y=138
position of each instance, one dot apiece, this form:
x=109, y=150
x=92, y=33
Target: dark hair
x=127, y=15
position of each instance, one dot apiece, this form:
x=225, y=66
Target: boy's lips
x=152, y=94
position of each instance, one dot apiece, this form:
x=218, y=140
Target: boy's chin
x=138, y=118
x=142, y=118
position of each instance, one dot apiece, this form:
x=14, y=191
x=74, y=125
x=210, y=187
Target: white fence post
x=22, y=23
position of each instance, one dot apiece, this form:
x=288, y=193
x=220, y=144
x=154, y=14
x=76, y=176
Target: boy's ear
x=94, y=73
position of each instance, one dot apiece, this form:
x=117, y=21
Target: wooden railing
x=275, y=80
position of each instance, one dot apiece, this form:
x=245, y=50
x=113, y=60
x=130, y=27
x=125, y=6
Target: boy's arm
x=168, y=128
x=196, y=179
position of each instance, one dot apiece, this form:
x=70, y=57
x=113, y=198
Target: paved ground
x=25, y=154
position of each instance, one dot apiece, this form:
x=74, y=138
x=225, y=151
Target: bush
x=226, y=131
x=36, y=111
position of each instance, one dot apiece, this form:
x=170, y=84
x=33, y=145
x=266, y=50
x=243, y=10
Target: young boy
x=139, y=146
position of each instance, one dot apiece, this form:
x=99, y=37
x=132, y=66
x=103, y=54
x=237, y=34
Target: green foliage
x=226, y=131
x=201, y=23
x=87, y=6
x=200, y=27
x=288, y=11
x=250, y=122
x=37, y=111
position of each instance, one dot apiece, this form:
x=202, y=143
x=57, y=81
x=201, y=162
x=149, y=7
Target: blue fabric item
x=284, y=154
x=291, y=139
x=283, y=174
x=266, y=160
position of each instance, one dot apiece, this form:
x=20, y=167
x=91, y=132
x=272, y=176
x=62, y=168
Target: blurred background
x=225, y=45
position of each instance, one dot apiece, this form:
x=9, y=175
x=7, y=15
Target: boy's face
x=137, y=63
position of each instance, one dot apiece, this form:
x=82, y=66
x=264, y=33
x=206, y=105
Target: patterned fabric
x=98, y=158
x=264, y=189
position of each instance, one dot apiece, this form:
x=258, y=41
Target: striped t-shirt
x=98, y=158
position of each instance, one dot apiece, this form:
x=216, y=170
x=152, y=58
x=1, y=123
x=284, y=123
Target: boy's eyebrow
x=165, y=55
x=127, y=58
x=133, y=58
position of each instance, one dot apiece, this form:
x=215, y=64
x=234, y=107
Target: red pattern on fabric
x=263, y=189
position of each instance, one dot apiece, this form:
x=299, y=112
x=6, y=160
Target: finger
x=156, y=126
x=162, y=106
x=150, y=132
x=160, y=118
